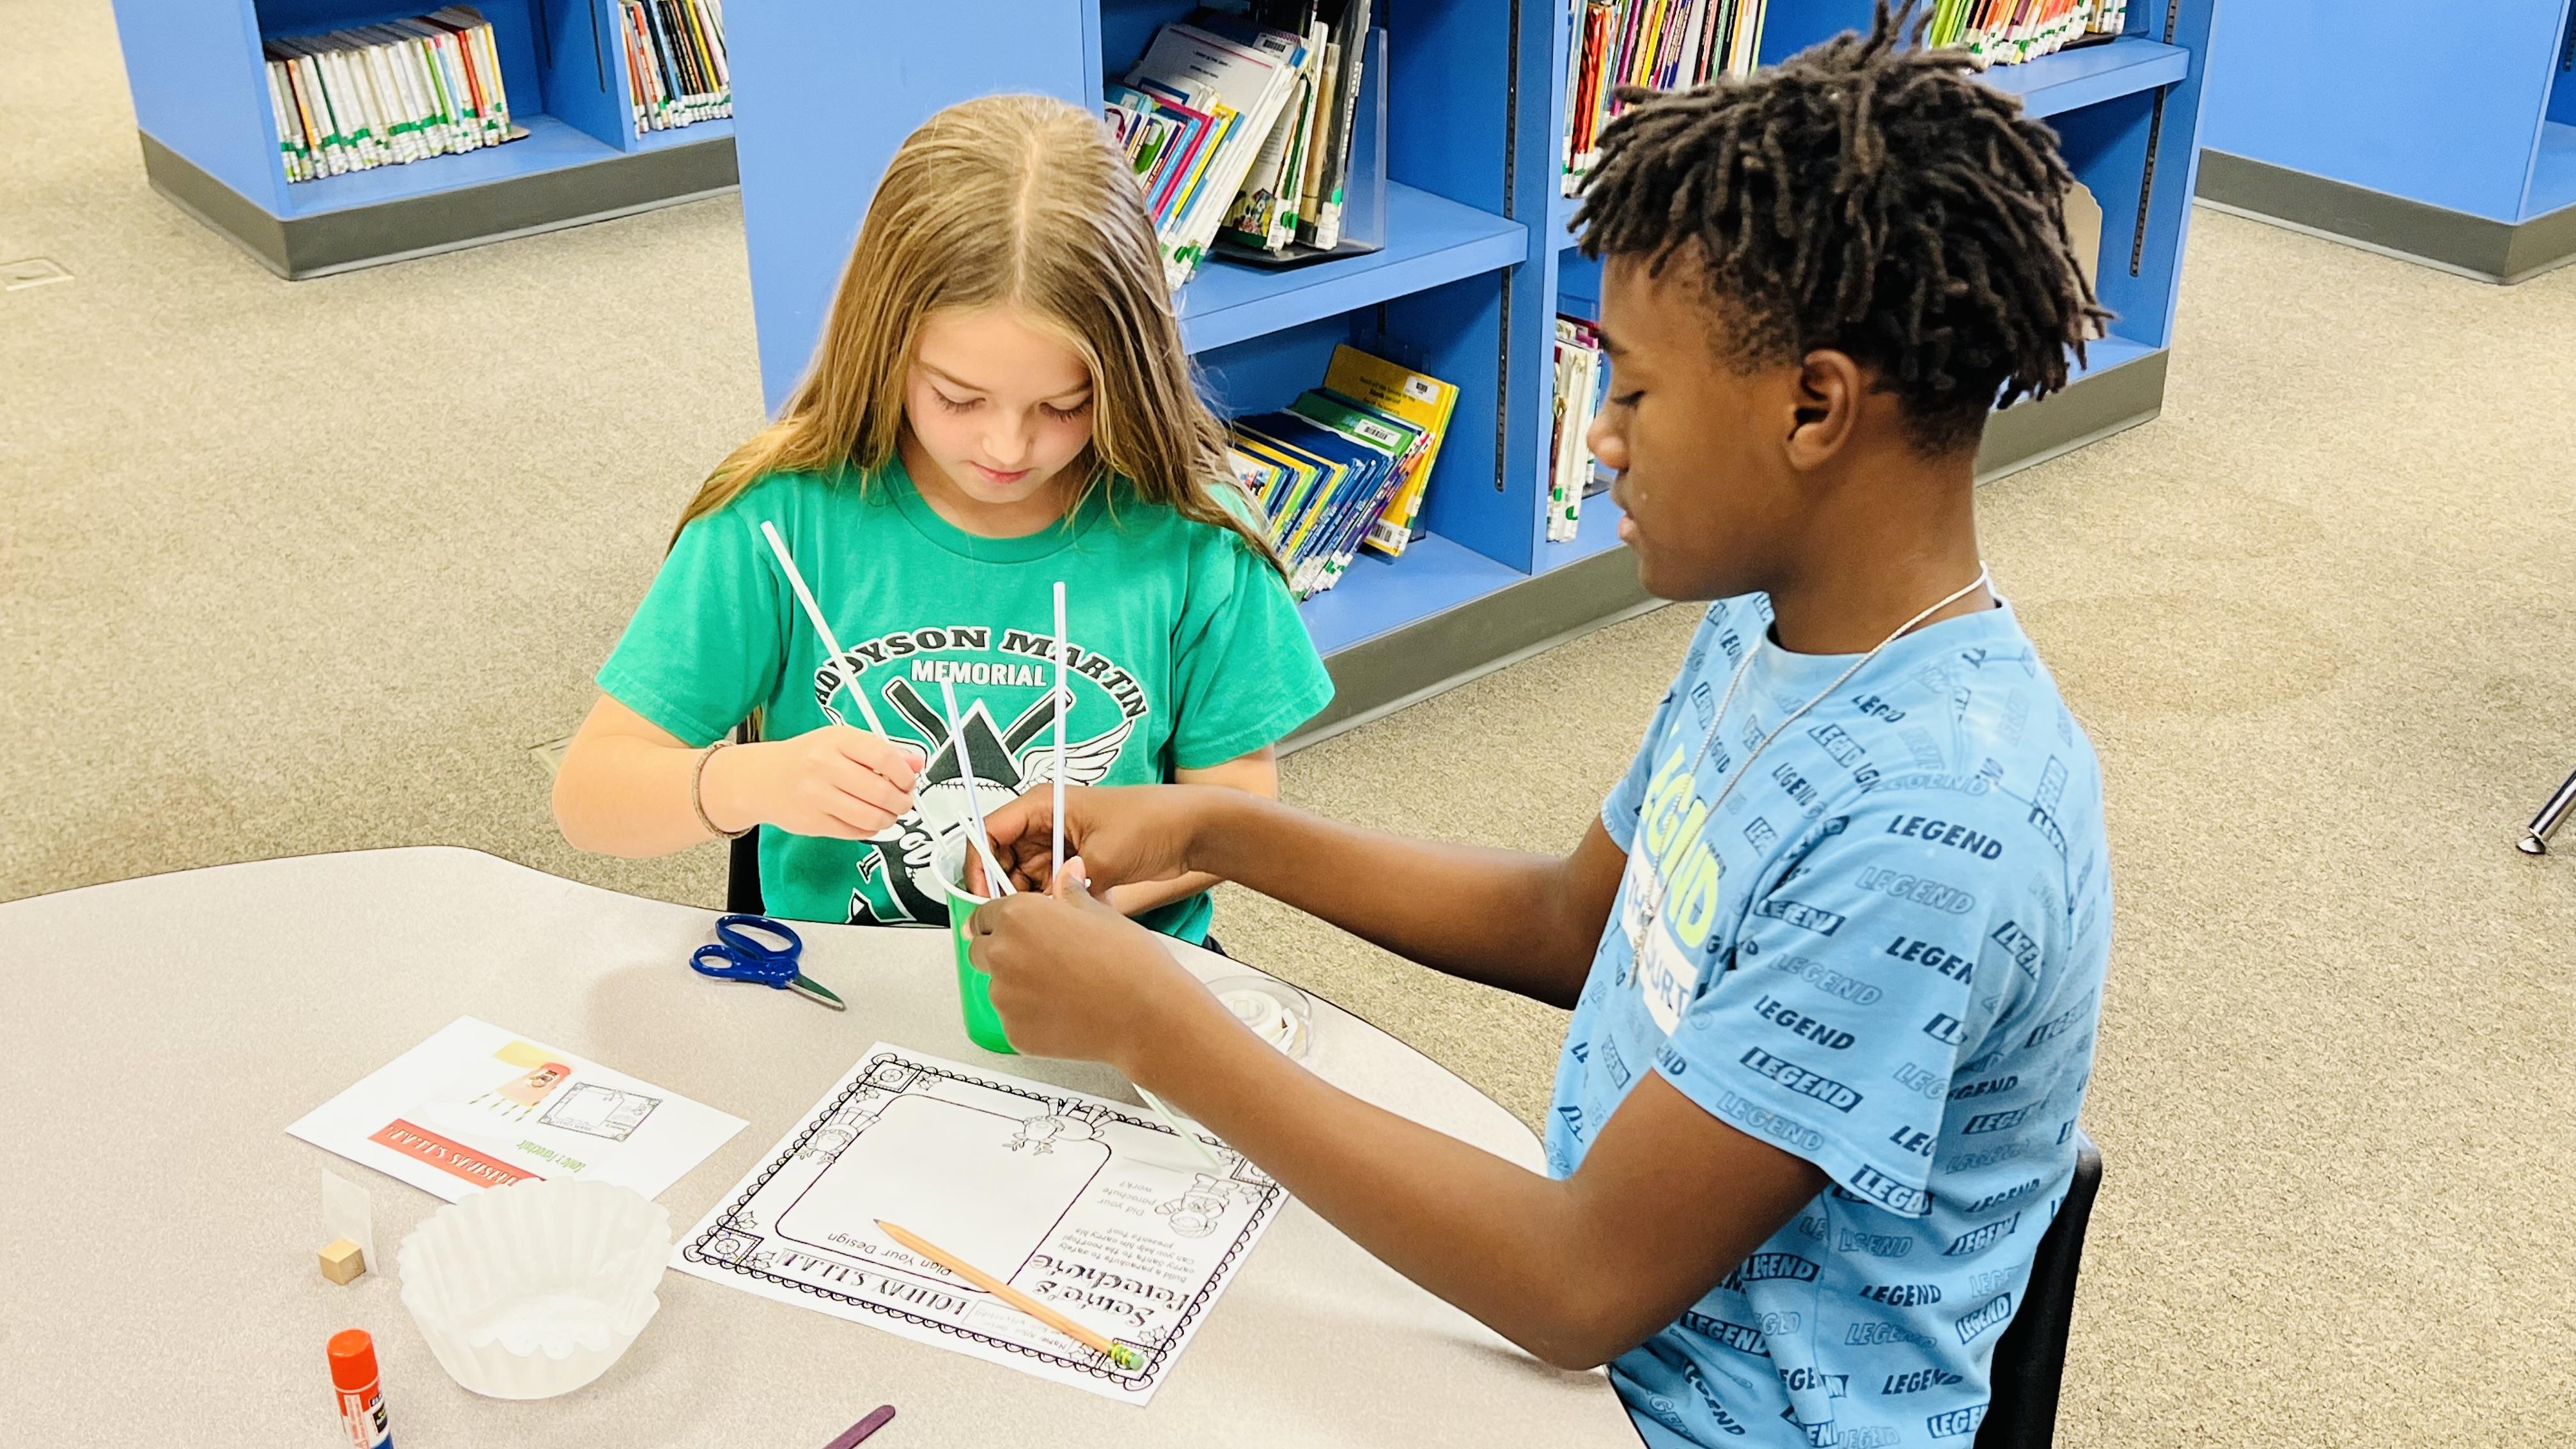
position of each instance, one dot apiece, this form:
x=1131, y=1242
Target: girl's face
x=1000, y=407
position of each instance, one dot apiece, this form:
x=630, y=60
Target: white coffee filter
x=533, y=1290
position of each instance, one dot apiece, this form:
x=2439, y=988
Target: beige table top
x=157, y=1277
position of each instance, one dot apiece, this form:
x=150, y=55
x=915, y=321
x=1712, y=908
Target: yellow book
x=1417, y=398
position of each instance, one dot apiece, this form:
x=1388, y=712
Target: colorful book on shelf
x=1582, y=380
x=1263, y=212
x=2010, y=32
x=1407, y=396
x=1401, y=443
x=1658, y=44
x=1357, y=471
x=387, y=93
x=1166, y=141
x=1188, y=63
x=678, y=71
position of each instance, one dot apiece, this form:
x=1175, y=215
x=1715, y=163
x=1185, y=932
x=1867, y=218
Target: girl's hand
x=1073, y=978
x=839, y=781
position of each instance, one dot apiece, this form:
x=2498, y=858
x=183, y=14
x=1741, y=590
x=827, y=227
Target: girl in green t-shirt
x=999, y=402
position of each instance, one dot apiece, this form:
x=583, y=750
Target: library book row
x=1677, y=44
x=1346, y=466
x=1239, y=128
x=676, y=66
x=386, y=94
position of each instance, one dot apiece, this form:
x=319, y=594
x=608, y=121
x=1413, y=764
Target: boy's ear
x=1826, y=396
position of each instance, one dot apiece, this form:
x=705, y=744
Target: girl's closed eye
x=957, y=405
x=1065, y=414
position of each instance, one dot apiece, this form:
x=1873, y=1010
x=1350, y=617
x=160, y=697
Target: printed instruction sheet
x=1086, y=1205
x=477, y=1106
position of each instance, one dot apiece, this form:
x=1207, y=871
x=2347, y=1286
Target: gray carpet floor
x=310, y=567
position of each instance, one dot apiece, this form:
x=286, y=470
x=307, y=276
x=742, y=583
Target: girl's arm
x=625, y=785
x=1254, y=774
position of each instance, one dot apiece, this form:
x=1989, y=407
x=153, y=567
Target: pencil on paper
x=1125, y=1355
x=814, y=613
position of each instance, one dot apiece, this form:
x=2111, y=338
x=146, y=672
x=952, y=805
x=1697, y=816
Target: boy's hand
x=1073, y=978
x=1127, y=834
x=839, y=781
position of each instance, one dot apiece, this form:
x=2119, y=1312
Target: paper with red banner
x=478, y=1106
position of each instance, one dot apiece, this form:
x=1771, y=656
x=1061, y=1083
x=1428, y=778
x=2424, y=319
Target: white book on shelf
x=384, y=118
x=1254, y=85
x=426, y=70
x=455, y=101
x=1260, y=201
x=383, y=102
x=412, y=80
x=317, y=105
x=299, y=111
x=288, y=149
x=357, y=123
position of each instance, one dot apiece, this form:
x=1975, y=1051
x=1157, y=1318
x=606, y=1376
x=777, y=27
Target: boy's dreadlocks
x=1865, y=195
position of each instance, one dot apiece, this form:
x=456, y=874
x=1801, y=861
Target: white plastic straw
x=1063, y=707
x=1175, y=1121
x=1000, y=882
x=814, y=612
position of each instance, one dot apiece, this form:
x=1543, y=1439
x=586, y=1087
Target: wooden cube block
x=342, y=1261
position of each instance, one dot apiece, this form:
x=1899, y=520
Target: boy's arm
x=1256, y=773
x=1523, y=922
x=1577, y=1271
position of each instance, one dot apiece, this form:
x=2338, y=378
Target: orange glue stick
x=354, y=1384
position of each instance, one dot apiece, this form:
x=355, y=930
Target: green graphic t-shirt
x=1183, y=651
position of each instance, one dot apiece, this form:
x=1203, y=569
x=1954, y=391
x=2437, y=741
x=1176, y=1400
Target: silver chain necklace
x=1655, y=908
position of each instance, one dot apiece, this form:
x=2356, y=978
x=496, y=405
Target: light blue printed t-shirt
x=1882, y=953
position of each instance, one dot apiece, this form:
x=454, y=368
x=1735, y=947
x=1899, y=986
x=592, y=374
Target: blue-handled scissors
x=738, y=955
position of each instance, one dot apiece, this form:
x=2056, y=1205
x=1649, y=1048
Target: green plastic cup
x=974, y=988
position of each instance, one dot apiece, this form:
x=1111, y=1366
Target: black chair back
x=2030, y=1360
x=742, y=866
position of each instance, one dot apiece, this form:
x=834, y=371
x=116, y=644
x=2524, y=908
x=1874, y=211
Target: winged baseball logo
x=895, y=883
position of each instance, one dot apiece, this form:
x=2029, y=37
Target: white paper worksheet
x=1080, y=1202
x=479, y=1106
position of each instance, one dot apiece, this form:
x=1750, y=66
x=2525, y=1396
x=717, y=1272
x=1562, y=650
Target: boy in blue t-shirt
x=1835, y=946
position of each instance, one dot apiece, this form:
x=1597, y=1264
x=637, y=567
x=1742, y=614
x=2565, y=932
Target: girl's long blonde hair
x=1015, y=201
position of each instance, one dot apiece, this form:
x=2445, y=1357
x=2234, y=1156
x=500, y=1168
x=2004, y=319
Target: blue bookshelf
x=1477, y=264
x=210, y=142
x=2448, y=143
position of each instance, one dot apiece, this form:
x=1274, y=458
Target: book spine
x=302, y=105
x=447, y=69
x=356, y=122
x=390, y=106
x=490, y=50
x=436, y=125
x=290, y=152
x=1337, y=176
x=336, y=160
x=692, y=65
x=701, y=85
